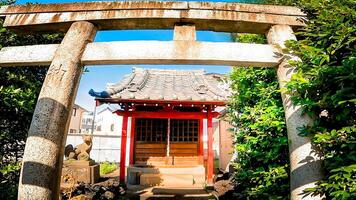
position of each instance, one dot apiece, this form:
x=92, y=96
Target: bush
x=9, y=175
x=325, y=86
x=107, y=167
x=256, y=111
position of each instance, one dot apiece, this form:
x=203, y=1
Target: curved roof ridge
x=170, y=71
x=139, y=81
x=167, y=84
x=120, y=86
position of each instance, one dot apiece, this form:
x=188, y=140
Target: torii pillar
x=43, y=156
x=305, y=160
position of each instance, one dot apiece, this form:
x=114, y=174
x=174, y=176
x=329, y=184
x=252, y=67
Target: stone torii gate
x=42, y=161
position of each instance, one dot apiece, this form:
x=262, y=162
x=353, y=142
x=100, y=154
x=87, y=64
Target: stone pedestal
x=82, y=171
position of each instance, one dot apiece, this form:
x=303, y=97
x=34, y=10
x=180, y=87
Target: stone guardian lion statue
x=81, y=151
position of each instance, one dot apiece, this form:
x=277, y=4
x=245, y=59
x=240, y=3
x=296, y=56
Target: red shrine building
x=167, y=110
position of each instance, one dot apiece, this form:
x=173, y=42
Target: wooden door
x=150, y=141
x=184, y=141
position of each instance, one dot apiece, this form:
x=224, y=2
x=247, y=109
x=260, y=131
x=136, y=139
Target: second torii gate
x=44, y=149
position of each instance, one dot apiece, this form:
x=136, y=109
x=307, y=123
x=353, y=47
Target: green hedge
x=324, y=85
x=256, y=111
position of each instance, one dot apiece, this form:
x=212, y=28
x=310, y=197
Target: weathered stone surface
x=109, y=189
x=181, y=52
x=80, y=197
x=82, y=171
x=150, y=52
x=225, y=17
x=31, y=55
x=81, y=151
x=2, y=10
x=305, y=159
x=172, y=180
x=167, y=176
x=242, y=7
x=78, y=163
x=184, y=32
x=43, y=156
x=94, y=6
x=133, y=5
x=108, y=195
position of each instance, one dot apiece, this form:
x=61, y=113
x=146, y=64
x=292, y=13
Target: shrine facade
x=167, y=109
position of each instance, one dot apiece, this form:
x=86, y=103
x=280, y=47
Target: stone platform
x=82, y=171
x=184, y=176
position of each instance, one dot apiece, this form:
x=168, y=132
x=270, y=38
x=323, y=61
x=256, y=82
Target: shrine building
x=167, y=109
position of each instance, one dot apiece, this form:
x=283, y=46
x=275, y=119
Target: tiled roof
x=164, y=84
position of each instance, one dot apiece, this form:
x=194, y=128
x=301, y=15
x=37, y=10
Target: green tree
x=325, y=85
x=19, y=88
x=256, y=110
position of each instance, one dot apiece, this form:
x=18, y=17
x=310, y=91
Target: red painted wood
x=210, y=162
x=168, y=137
x=172, y=102
x=123, y=149
x=167, y=114
x=132, y=141
x=201, y=137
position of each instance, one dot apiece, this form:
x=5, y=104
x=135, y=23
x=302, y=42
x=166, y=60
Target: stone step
x=175, y=180
x=193, y=170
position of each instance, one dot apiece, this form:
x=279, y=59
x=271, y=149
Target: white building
x=87, y=123
x=106, y=122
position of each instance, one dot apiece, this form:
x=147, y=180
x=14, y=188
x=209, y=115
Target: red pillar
x=132, y=140
x=210, y=163
x=201, y=137
x=123, y=149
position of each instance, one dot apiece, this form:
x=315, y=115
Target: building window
x=98, y=128
x=112, y=127
x=74, y=112
x=72, y=131
x=155, y=130
x=184, y=130
x=151, y=130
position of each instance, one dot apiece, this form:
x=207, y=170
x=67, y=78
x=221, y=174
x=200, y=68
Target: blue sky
x=99, y=76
